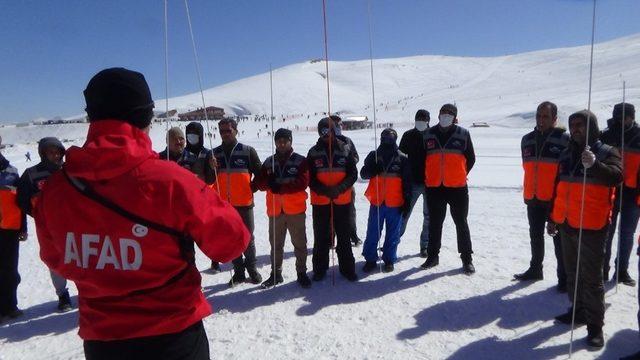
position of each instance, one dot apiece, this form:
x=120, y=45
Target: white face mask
x=445, y=120
x=193, y=139
x=422, y=125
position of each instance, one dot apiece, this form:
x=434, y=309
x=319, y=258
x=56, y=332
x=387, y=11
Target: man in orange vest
x=389, y=193
x=572, y=213
x=236, y=163
x=13, y=225
x=285, y=177
x=449, y=158
x=332, y=173
x=629, y=212
x=541, y=151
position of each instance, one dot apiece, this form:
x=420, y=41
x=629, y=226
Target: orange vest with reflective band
x=10, y=213
x=330, y=176
x=541, y=165
x=446, y=165
x=387, y=187
x=598, y=196
x=631, y=151
x=289, y=204
x=234, y=178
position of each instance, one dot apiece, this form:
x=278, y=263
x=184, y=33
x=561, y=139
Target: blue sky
x=52, y=48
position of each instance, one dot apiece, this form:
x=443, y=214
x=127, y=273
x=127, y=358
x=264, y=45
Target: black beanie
x=283, y=133
x=450, y=108
x=325, y=123
x=423, y=115
x=119, y=94
x=629, y=110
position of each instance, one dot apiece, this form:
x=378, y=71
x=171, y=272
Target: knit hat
x=389, y=132
x=46, y=142
x=629, y=110
x=450, y=109
x=119, y=94
x=423, y=115
x=283, y=133
x=323, y=126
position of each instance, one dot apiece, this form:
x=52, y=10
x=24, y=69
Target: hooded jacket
x=390, y=176
x=198, y=159
x=132, y=281
x=613, y=136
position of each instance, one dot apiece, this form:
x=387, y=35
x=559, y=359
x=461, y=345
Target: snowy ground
x=408, y=314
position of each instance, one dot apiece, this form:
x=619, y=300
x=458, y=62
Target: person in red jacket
x=121, y=223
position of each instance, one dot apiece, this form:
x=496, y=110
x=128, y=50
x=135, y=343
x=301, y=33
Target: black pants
x=322, y=238
x=538, y=215
x=188, y=344
x=249, y=260
x=458, y=201
x=352, y=218
x=9, y=276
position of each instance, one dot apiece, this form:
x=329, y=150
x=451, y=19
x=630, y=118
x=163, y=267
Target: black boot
x=319, y=275
x=624, y=278
x=369, y=266
x=532, y=274
x=215, y=267
x=423, y=253
x=561, y=287
x=595, y=338
x=255, y=277
x=388, y=267
x=237, y=278
x=566, y=317
x=304, y=280
x=467, y=264
x=273, y=280
x=64, y=302
x=635, y=356
x=432, y=261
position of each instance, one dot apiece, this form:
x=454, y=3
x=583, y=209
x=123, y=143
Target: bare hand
x=588, y=158
x=213, y=162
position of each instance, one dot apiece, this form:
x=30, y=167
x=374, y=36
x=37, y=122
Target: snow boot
x=369, y=266
x=566, y=317
x=351, y=276
x=215, y=268
x=467, y=264
x=64, y=303
x=388, y=267
x=624, y=278
x=432, y=261
x=530, y=275
x=255, y=277
x=15, y=313
x=423, y=253
x=237, y=278
x=304, y=280
x=273, y=280
x=595, y=338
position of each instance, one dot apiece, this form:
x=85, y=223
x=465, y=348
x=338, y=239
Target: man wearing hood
x=389, y=193
x=332, y=173
x=13, y=229
x=600, y=164
x=541, y=149
x=31, y=182
x=623, y=121
x=131, y=251
x=412, y=144
x=449, y=158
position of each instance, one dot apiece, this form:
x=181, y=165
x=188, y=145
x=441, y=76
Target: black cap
x=450, y=109
x=283, y=133
x=119, y=94
x=323, y=126
x=628, y=109
x=423, y=115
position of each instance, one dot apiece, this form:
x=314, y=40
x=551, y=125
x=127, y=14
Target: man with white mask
x=412, y=144
x=449, y=158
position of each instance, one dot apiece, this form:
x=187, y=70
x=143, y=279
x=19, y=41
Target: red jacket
x=109, y=257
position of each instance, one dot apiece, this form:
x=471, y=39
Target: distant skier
x=28, y=156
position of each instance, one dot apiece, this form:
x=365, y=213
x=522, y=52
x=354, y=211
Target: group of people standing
x=143, y=213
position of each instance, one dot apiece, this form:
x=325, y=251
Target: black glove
x=273, y=185
x=333, y=192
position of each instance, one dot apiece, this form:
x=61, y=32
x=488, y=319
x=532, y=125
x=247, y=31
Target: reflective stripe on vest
x=330, y=176
x=541, y=168
x=290, y=204
x=387, y=186
x=234, y=178
x=10, y=213
x=598, y=197
x=446, y=165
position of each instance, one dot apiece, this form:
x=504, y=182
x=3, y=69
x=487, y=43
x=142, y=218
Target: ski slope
x=410, y=313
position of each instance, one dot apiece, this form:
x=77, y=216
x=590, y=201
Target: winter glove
x=552, y=228
x=22, y=236
x=405, y=209
x=273, y=185
x=588, y=158
x=333, y=192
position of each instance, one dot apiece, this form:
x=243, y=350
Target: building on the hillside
x=355, y=123
x=213, y=112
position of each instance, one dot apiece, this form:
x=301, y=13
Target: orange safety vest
x=446, y=164
x=541, y=167
x=330, y=176
x=598, y=196
x=10, y=213
x=234, y=178
x=290, y=204
x=387, y=187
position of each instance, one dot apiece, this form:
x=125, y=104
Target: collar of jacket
x=113, y=147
